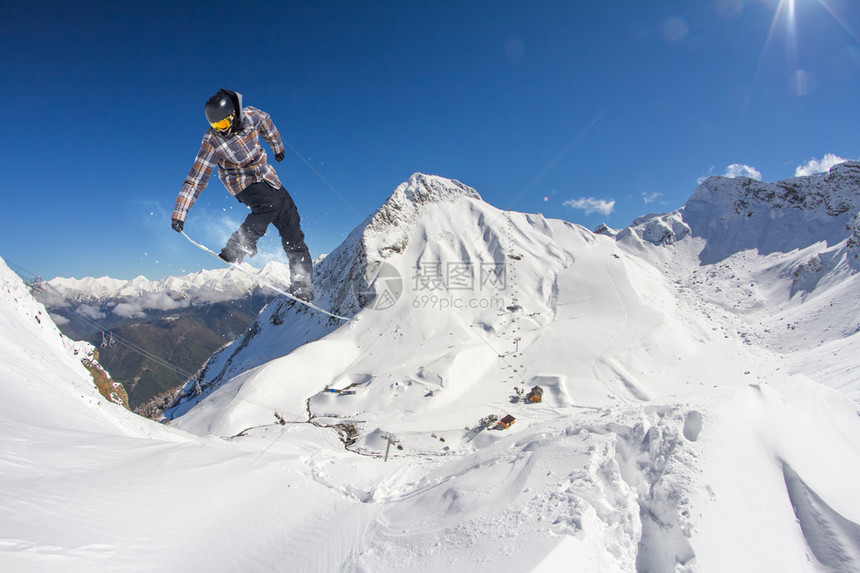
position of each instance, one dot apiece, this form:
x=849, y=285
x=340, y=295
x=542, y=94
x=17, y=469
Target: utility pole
x=388, y=447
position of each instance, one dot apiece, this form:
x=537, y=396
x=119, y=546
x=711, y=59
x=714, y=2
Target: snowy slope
x=675, y=434
x=633, y=370
x=86, y=485
x=213, y=306
x=48, y=382
x=777, y=262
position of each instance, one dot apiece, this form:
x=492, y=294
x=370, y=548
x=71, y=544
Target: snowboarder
x=233, y=145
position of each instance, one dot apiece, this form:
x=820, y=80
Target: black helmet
x=220, y=111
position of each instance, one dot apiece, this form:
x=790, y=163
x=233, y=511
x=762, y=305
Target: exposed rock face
x=737, y=214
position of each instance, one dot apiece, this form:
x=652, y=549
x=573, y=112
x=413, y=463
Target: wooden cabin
x=535, y=396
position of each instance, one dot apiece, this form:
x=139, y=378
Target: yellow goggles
x=224, y=124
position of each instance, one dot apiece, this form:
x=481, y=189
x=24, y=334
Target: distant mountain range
x=152, y=336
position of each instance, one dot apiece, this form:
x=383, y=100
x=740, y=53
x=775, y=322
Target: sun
x=785, y=15
x=785, y=18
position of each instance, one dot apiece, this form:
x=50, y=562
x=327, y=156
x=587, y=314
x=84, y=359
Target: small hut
x=535, y=396
x=506, y=422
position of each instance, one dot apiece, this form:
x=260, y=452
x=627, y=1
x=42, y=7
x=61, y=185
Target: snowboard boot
x=301, y=276
x=234, y=252
x=240, y=244
x=302, y=291
x=234, y=256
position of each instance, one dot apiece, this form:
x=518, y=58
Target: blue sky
x=586, y=111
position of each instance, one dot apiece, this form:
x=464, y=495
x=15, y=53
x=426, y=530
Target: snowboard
x=265, y=283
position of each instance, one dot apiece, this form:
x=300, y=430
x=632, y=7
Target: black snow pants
x=269, y=205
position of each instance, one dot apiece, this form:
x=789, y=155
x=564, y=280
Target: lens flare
x=784, y=11
x=839, y=19
x=785, y=18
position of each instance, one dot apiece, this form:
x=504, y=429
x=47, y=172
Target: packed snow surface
x=698, y=372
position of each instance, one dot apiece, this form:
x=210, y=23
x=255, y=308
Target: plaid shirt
x=239, y=157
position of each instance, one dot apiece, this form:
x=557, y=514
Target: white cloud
x=162, y=301
x=59, y=320
x=702, y=179
x=740, y=170
x=129, y=310
x=822, y=165
x=591, y=205
x=650, y=197
x=91, y=312
x=206, y=295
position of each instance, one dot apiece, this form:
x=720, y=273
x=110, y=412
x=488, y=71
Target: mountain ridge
x=400, y=231
x=740, y=213
x=788, y=249
x=152, y=333
x=343, y=280
x=226, y=282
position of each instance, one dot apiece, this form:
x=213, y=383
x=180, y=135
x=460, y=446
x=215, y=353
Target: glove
x=280, y=156
x=177, y=225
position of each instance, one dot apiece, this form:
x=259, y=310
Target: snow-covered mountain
x=182, y=320
x=777, y=260
x=44, y=381
x=105, y=296
x=24, y=317
x=694, y=373
x=645, y=340
x=86, y=485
